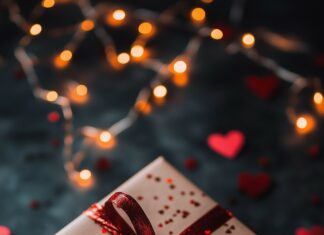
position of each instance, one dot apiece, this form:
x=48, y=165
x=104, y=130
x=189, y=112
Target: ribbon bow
x=110, y=220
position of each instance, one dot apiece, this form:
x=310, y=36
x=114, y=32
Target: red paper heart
x=263, y=87
x=254, y=185
x=316, y=230
x=227, y=145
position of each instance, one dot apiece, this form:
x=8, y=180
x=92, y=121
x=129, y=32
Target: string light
x=145, y=28
x=48, y=3
x=248, y=40
x=84, y=179
x=87, y=25
x=160, y=91
x=35, y=29
x=66, y=55
x=318, y=98
x=304, y=124
x=123, y=58
x=51, y=96
x=77, y=93
x=216, y=34
x=105, y=140
x=198, y=14
x=137, y=51
x=179, y=66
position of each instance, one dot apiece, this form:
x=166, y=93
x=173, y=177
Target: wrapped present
x=156, y=201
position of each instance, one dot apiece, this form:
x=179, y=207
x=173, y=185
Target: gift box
x=156, y=201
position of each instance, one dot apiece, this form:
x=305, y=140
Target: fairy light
x=318, y=98
x=77, y=93
x=137, y=51
x=66, y=55
x=51, y=96
x=216, y=34
x=198, y=14
x=179, y=77
x=180, y=66
x=35, y=29
x=123, y=58
x=304, y=124
x=160, y=91
x=248, y=40
x=87, y=25
x=48, y=3
x=145, y=28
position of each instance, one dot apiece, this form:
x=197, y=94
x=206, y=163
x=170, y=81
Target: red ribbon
x=109, y=219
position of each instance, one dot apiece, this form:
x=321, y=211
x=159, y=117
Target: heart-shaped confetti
x=53, y=116
x=263, y=87
x=191, y=163
x=228, y=145
x=316, y=230
x=102, y=164
x=4, y=230
x=254, y=185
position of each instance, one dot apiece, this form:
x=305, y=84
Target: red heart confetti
x=4, y=230
x=191, y=164
x=263, y=161
x=254, y=185
x=263, y=87
x=55, y=142
x=314, y=151
x=316, y=200
x=228, y=145
x=53, y=116
x=34, y=204
x=315, y=230
x=102, y=164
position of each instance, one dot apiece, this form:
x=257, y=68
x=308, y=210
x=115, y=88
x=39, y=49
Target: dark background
x=215, y=100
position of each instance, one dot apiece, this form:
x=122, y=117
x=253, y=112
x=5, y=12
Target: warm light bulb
x=160, y=91
x=180, y=66
x=119, y=15
x=145, y=28
x=105, y=136
x=248, y=40
x=198, y=14
x=143, y=107
x=87, y=25
x=216, y=34
x=85, y=174
x=123, y=58
x=48, y=3
x=66, y=55
x=35, y=29
x=318, y=98
x=51, y=96
x=59, y=63
x=105, y=139
x=137, y=51
x=305, y=124
x=81, y=90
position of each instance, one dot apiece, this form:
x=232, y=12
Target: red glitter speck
x=207, y=232
x=104, y=231
x=5, y=230
x=169, y=180
x=102, y=164
x=140, y=198
x=53, y=116
x=170, y=198
x=161, y=212
x=160, y=225
x=155, y=197
x=166, y=207
x=149, y=176
x=157, y=179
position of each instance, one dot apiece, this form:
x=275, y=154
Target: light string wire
x=156, y=88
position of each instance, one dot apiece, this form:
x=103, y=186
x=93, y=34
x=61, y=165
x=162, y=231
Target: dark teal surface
x=216, y=100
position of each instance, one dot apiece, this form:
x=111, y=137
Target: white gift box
x=172, y=204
